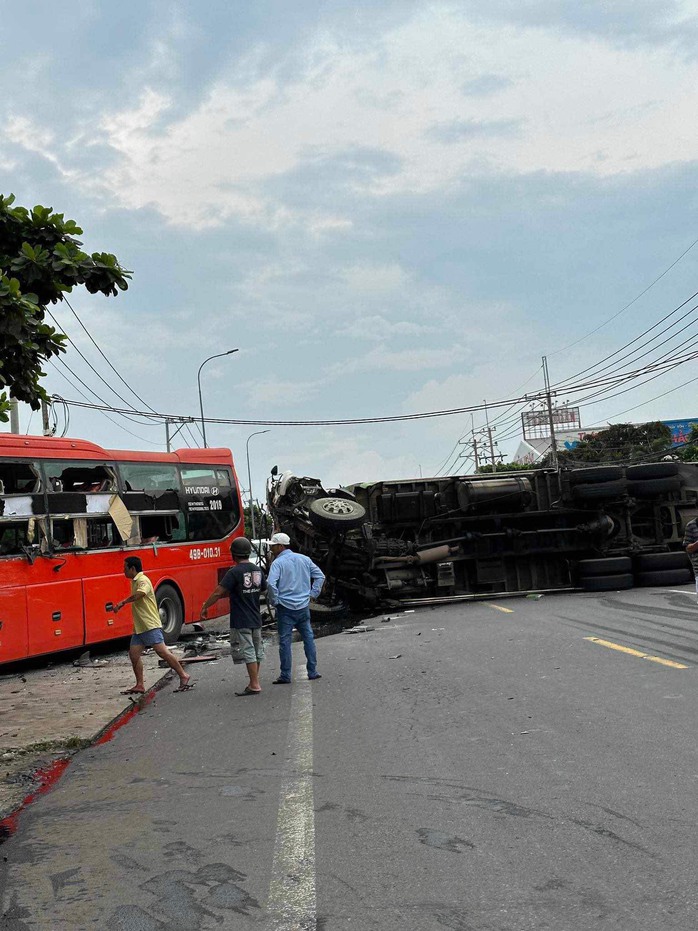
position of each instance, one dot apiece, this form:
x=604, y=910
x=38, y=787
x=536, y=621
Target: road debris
x=359, y=629
x=84, y=661
x=397, y=656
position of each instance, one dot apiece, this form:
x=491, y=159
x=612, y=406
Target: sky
x=386, y=207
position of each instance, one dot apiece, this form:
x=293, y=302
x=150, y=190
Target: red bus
x=70, y=512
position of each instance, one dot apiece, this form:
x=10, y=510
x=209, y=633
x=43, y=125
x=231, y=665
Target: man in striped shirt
x=690, y=544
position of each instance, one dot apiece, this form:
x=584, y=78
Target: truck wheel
x=595, y=474
x=327, y=614
x=652, y=487
x=638, y=473
x=607, y=583
x=336, y=514
x=171, y=612
x=611, y=565
x=594, y=491
x=667, y=577
x=658, y=562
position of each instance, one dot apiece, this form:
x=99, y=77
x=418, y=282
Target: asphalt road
x=480, y=767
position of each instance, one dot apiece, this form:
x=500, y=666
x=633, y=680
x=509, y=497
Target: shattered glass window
x=19, y=478
x=148, y=476
x=80, y=477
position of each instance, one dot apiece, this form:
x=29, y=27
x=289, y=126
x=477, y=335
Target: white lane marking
x=292, y=903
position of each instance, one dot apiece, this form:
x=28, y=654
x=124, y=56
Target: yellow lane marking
x=638, y=653
x=499, y=608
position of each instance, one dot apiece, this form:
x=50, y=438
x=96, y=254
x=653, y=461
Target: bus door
x=100, y=593
x=13, y=624
x=54, y=606
x=54, y=616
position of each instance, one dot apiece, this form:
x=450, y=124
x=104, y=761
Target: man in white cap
x=293, y=580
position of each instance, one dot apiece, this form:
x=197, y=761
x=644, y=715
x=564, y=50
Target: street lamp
x=249, y=476
x=198, y=379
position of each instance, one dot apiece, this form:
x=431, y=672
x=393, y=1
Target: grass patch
x=53, y=746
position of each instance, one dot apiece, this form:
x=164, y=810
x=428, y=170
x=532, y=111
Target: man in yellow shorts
x=147, y=627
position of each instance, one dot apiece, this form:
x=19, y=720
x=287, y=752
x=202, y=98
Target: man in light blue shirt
x=293, y=580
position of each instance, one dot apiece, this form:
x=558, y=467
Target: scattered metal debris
x=85, y=662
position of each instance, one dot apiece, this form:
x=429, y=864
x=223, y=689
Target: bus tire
x=171, y=612
x=336, y=514
x=595, y=474
x=653, y=487
x=658, y=562
x=665, y=577
x=594, y=491
x=638, y=473
x=610, y=565
x=607, y=583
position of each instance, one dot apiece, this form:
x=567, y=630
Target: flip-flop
x=185, y=688
x=248, y=691
x=133, y=692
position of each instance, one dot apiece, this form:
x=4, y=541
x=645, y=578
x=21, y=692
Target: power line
x=561, y=385
x=103, y=355
x=89, y=405
x=607, y=381
x=116, y=371
x=630, y=304
x=89, y=364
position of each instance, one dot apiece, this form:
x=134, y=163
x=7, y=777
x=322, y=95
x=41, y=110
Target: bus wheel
x=171, y=612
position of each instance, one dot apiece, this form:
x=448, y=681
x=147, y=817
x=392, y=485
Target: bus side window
x=13, y=536
x=102, y=533
x=165, y=528
x=80, y=477
x=62, y=534
x=19, y=478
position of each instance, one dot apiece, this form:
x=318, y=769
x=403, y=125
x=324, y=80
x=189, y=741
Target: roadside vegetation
x=41, y=261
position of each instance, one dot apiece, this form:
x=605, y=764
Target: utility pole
x=14, y=416
x=44, y=419
x=489, y=434
x=472, y=430
x=168, y=436
x=553, y=441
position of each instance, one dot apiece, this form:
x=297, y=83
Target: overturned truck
x=598, y=528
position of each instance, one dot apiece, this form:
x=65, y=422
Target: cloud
x=381, y=329
x=375, y=279
x=405, y=360
x=229, y=155
x=484, y=85
x=459, y=130
x=276, y=392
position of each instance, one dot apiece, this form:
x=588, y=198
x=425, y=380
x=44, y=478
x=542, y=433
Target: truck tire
x=665, y=577
x=660, y=562
x=328, y=614
x=171, y=612
x=607, y=583
x=652, y=487
x=638, y=473
x=610, y=565
x=595, y=474
x=336, y=514
x=594, y=491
